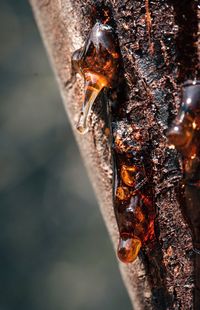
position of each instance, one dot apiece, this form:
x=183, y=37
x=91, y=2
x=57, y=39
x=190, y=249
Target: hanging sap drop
x=128, y=248
x=97, y=61
x=94, y=83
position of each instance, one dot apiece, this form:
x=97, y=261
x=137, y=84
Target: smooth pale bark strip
x=59, y=23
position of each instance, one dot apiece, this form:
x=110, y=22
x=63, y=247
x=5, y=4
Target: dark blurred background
x=55, y=253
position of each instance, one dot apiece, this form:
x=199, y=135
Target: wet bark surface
x=159, y=51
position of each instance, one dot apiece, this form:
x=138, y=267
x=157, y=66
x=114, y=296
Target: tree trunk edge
x=60, y=25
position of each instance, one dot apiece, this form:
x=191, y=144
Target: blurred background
x=55, y=252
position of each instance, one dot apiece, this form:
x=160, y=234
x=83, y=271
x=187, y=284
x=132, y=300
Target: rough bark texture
x=156, y=60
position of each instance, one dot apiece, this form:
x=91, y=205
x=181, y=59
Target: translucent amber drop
x=128, y=248
x=94, y=83
x=122, y=193
x=128, y=175
x=97, y=61
x=184, y=130
x=180, y=136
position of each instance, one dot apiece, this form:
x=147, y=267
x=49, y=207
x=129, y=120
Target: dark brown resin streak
x=185, y=136
x=133, y=194
x=98, y=63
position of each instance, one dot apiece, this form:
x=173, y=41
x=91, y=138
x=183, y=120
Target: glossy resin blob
x=98, y=63
x=132, y=195
x=185, y=136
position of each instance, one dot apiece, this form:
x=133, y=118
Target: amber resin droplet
x=93, y=85
x=186, y=124
x=122, y=193
x=97, y=61
x=185, y=136
x=128, y=175
x=128, y=248
x=134, y=208
x=180, y=135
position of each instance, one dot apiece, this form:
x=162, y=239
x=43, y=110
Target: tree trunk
x=158, y=43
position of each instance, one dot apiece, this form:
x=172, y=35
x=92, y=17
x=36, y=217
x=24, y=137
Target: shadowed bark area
x=159, y=51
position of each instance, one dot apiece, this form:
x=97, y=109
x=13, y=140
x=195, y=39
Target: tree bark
x=158, y=43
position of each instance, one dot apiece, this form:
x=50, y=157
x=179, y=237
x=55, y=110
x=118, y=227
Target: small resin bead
x=182, y=134
x=128, y=175
x=128, y=248
x=122, y=193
